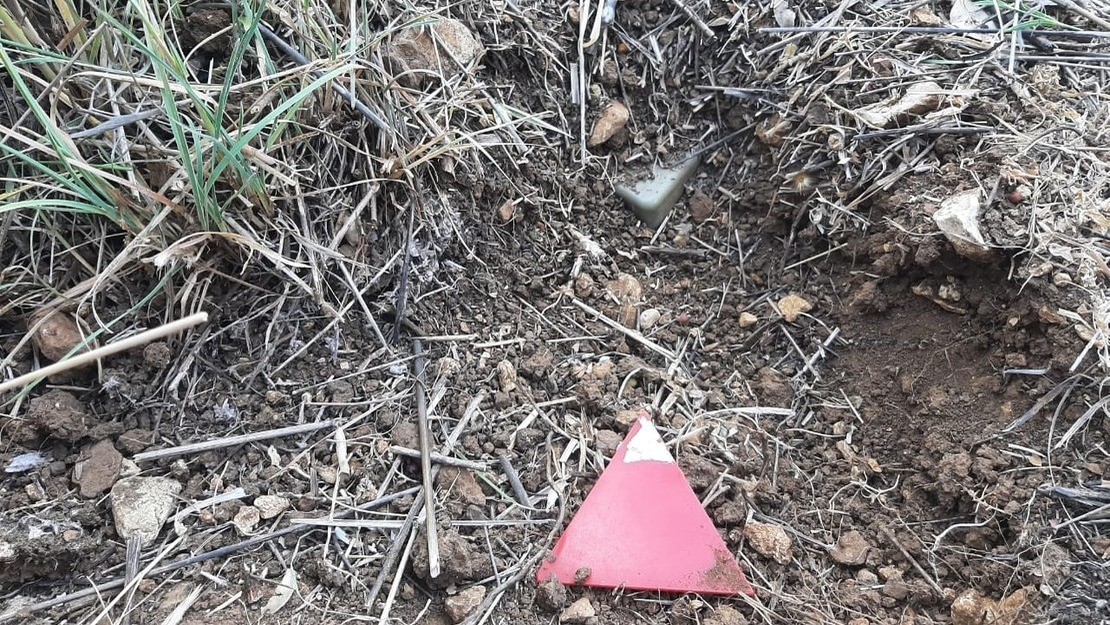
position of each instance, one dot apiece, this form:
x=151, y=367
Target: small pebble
x=579, y=612
x=246, y=519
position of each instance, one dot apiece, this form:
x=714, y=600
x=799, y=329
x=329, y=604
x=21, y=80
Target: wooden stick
x=84, y=358
x=231, y=441
x=426, y=461
x=402, y=537
x=694, y=17
x=514, y=481
x=439, y=458
x=913, y=562
x=632, y=334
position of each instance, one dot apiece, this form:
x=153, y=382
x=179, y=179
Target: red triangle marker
x=643, y=528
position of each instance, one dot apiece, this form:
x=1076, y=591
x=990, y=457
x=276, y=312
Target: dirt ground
x=880, y=429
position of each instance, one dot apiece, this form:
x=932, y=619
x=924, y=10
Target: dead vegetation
x=335, y=184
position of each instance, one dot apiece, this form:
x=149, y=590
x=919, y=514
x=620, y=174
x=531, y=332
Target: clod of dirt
x=580, y=612
x=506, y=376
x=551, y=595
x=459, y=561
x=868, y=298
x=56, y=335
x=896, y=589
x=269, y=506
x=447, y=367
x=769, y=541
x=584, y=285
x=246, y=519
x=971, y=608
x=613, y=119
x=851, y=549
x=419, y=51
x=773, y=388
x=625, y=418
x=538, y=364
x=465, y=603
x=157, y=355
x=701, y=206
x=60, y=415
x=726, y=615
x=210, y=29
x=141, y=505
x=507, y=211
x=731, y=513
x=134, y=441
x=405, y=435
x=97, y=469
x=649, y=318
x=43, y=546
x=607, y=442
x=628, y=292
x=699, y=472
x=792, y=306
x=958, y=219
x=462, y=483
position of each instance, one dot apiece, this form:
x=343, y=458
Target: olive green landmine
x=651, y=199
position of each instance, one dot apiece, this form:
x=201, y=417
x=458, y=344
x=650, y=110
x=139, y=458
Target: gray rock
x=649, y=318
x=269, y=506
x=141, y=505
x=246, y=519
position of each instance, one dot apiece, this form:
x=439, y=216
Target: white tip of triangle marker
x=647, y=445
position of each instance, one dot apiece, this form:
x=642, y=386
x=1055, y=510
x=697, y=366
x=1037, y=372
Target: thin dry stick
x=913, y=562
x=231, y=441
x=401, y=539
x=82, y=359
x=388, y=605
x=694, y=17
x=514, y=481
x=355, y=103
x=439, y=458
x=426, y=461
x=632, y=334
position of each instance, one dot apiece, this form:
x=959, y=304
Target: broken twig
x=84, y=358
x=231, y=441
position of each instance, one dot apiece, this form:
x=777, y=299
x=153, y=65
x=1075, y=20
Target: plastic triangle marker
x=643, y=528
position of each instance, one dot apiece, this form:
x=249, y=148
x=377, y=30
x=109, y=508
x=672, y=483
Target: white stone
x=141, y=505
x=269, y=506
x=958, y=219
x=578, y=612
